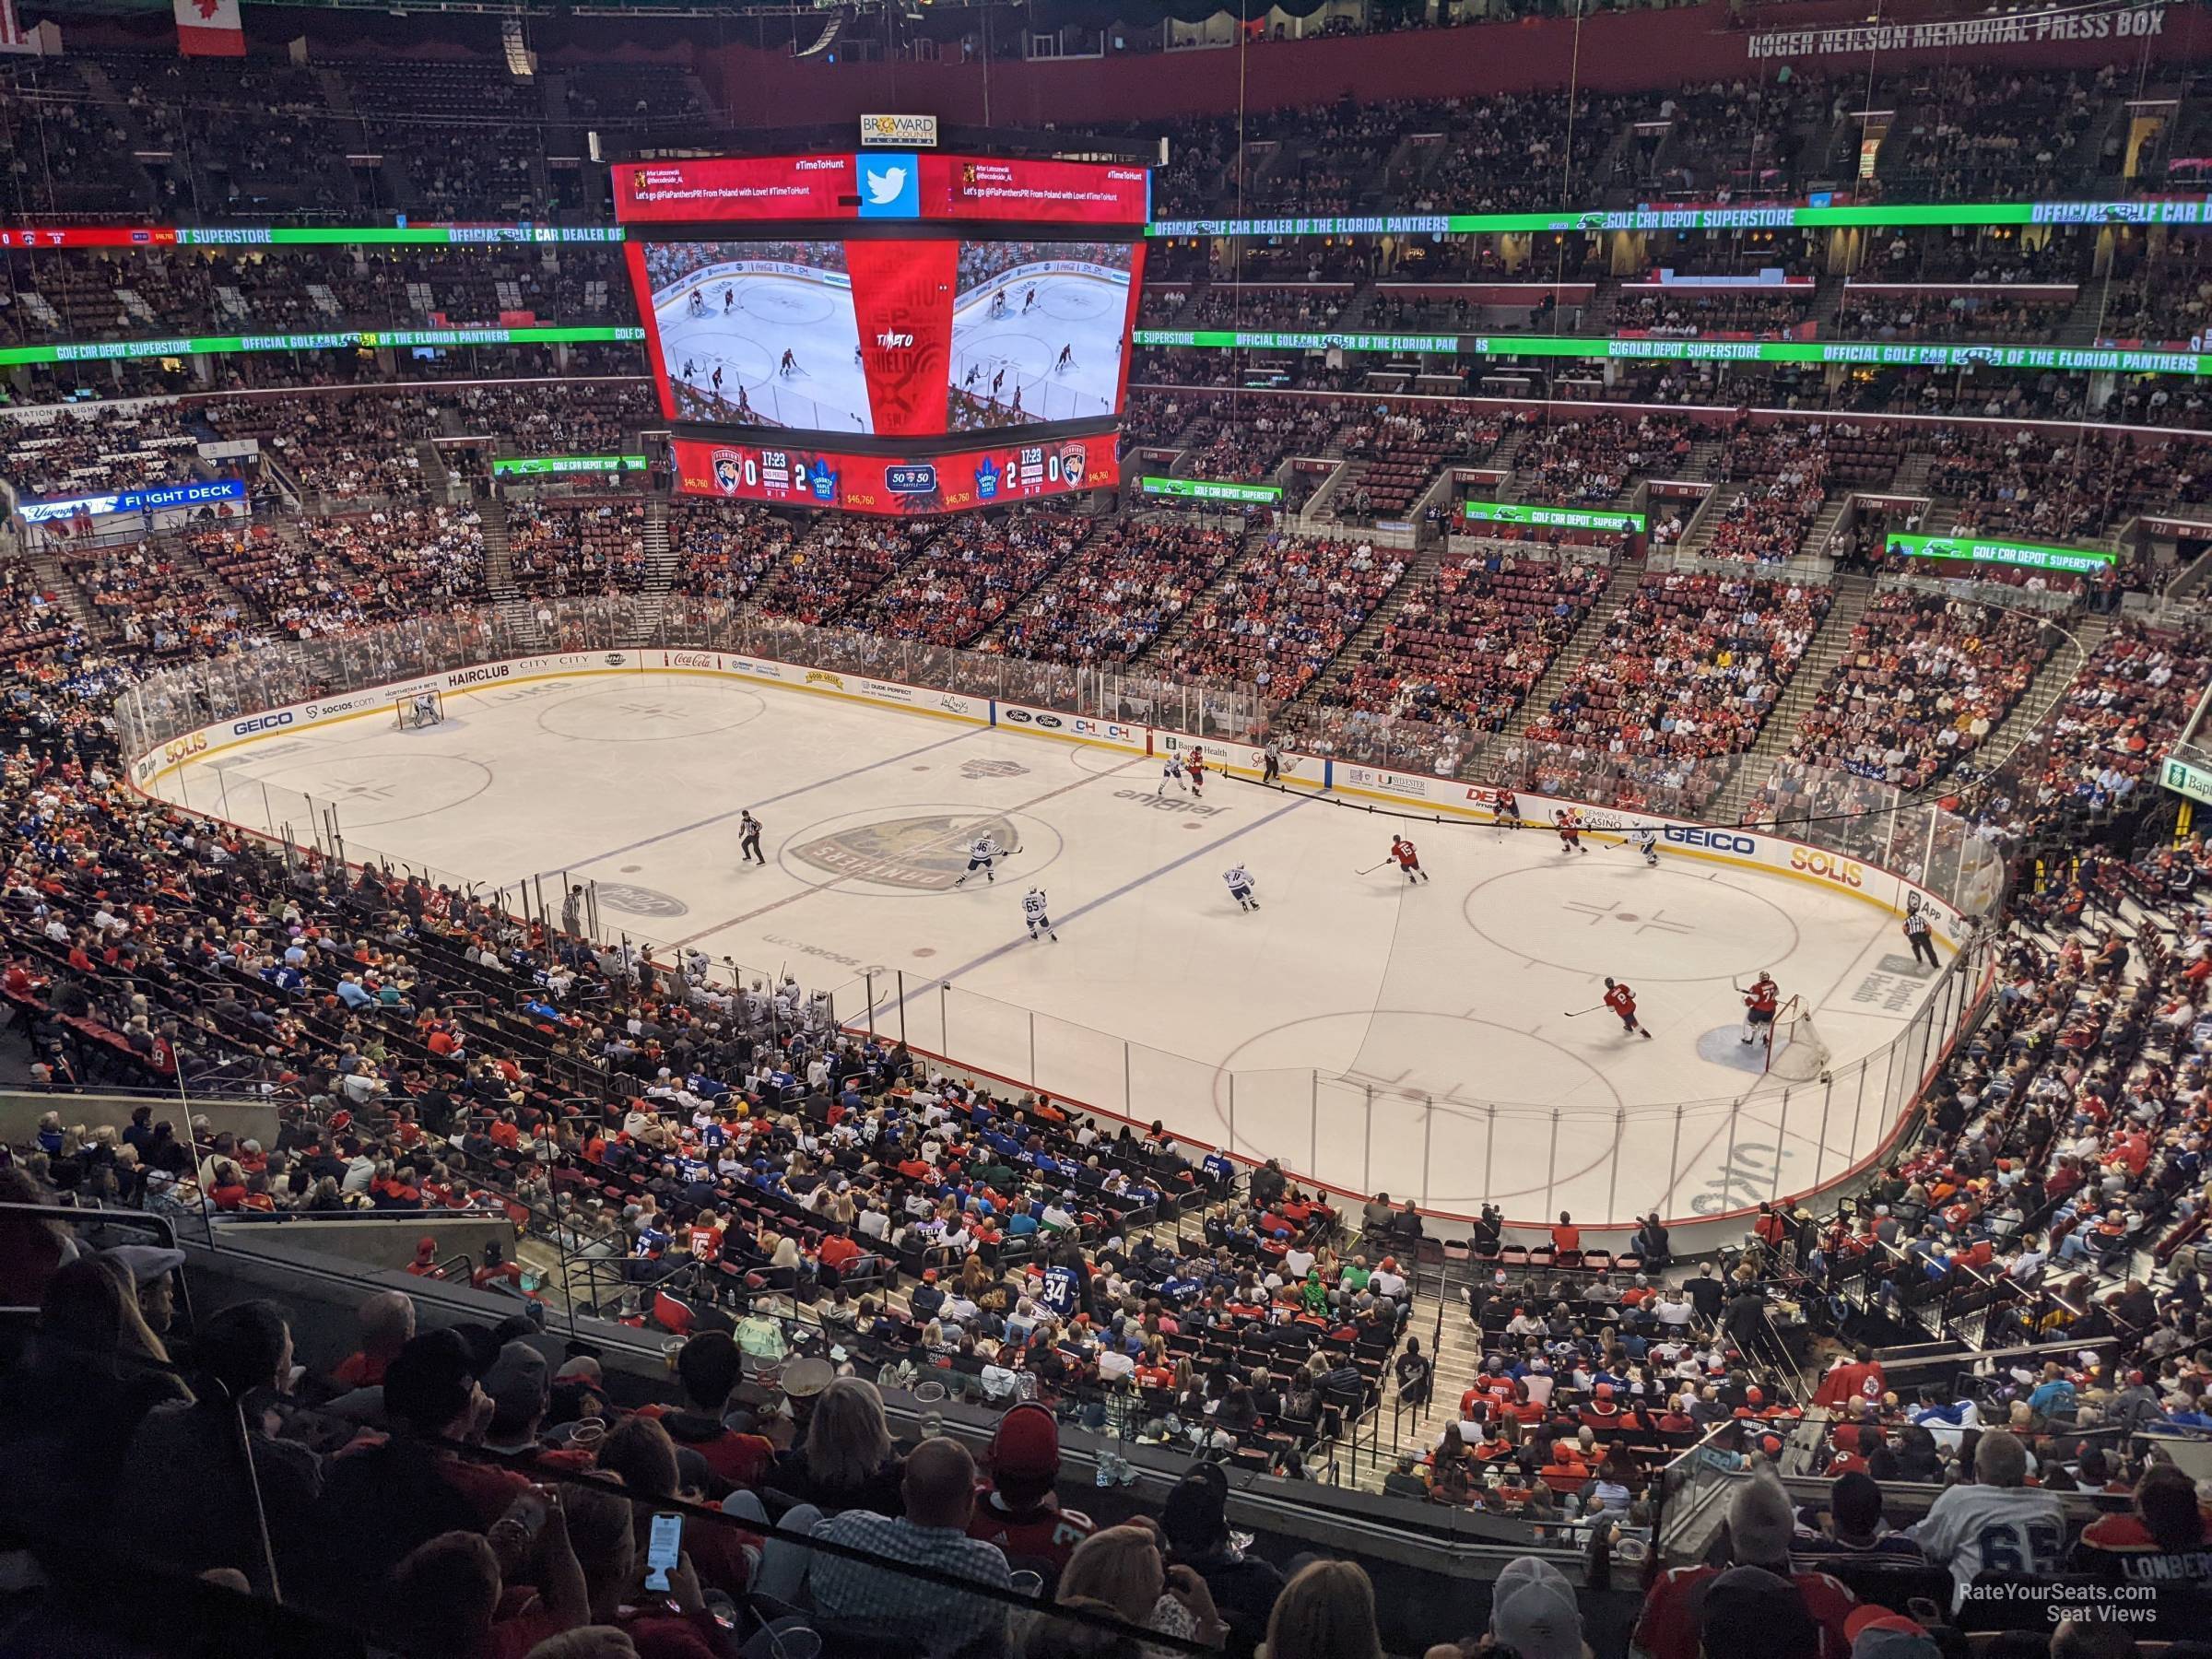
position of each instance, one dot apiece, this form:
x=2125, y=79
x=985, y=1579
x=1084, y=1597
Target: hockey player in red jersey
x=1760, y=1004
x=1570, y=831
x=1622, y=1001
x=1409, y=860
x=1193, y=766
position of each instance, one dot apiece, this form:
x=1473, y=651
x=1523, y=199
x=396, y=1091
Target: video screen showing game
x=759, y=333
x=1040, y=331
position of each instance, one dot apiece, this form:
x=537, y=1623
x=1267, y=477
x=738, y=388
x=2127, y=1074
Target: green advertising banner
x=2186, y=210
x=1874, y=353
x=1205, y=490
x=92, y=351
x=2030, y=555
x=1551, y=518
x=345, y=236
x=505, y=465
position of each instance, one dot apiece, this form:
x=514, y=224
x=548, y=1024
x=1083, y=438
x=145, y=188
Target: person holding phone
x=649, y=1591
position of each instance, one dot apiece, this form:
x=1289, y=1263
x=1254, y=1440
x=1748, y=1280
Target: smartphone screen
x=662, y=1548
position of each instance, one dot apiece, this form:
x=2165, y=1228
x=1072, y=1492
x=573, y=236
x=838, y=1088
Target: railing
x=1440, y=1142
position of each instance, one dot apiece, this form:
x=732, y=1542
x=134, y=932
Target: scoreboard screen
x=889, y=331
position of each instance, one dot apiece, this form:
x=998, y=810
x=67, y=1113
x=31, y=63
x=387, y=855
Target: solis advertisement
x=882, y=185
x=913, y=486
x=900, y=337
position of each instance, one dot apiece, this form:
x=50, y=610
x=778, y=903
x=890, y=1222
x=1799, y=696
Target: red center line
x=808, y=892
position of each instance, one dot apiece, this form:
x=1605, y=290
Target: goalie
x=1759, y=1003
x=423, y=710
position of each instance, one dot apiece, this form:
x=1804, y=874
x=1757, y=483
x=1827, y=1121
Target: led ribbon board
x=296, y=236
x=93, y=351
x=1551, y=518
x=1866, y=353
x=1207, y=490
x=162, y=497
x=2187, y=210
x=525, y=465
x=2029, y=556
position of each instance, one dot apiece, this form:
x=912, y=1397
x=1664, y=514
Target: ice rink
x=814, y=320
x=1411, y=1039
x=1082, y=313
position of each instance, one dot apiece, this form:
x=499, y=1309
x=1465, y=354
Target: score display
x=916, y=486
x=888, y=331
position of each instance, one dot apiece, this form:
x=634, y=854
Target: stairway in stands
x=1625, y=575
x=1707, y=519
x=1756, y=764
x=60, y=586
x=651, y=603
x=514, y=611
x=1414, y=582
x=1161, y=650
x=2084, y=634
x=180, y=550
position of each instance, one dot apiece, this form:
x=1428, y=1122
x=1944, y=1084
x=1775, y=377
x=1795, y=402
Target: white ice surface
x=1447, y=1003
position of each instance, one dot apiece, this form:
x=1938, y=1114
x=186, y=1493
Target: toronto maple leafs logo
x=633, y=900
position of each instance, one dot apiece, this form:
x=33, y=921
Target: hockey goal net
x=419, y=709
x=1794, y=1052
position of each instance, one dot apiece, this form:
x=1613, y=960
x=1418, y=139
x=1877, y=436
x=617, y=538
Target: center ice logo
x=926, y=854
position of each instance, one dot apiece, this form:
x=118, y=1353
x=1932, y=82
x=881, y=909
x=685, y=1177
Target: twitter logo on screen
x=891, y=186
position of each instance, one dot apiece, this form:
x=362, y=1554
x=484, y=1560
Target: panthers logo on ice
x=633, y=900
x=992, y=769
x=926, y=854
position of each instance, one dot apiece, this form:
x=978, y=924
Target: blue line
x=768, y=801
x=1105, y=898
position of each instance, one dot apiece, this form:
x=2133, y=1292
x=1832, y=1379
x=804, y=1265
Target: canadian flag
x=209, y=28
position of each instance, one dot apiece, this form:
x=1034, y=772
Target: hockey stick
x=1372, y=868
x=1578, y=1012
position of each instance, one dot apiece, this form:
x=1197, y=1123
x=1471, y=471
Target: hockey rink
x=1081, y=314
x=1415, y=1040
x=826, y=390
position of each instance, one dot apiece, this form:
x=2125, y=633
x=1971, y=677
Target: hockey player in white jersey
x=1033, y=912
x=1170, y=771
x=982, y=853
x=1646, y=841
x=1240, y=887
